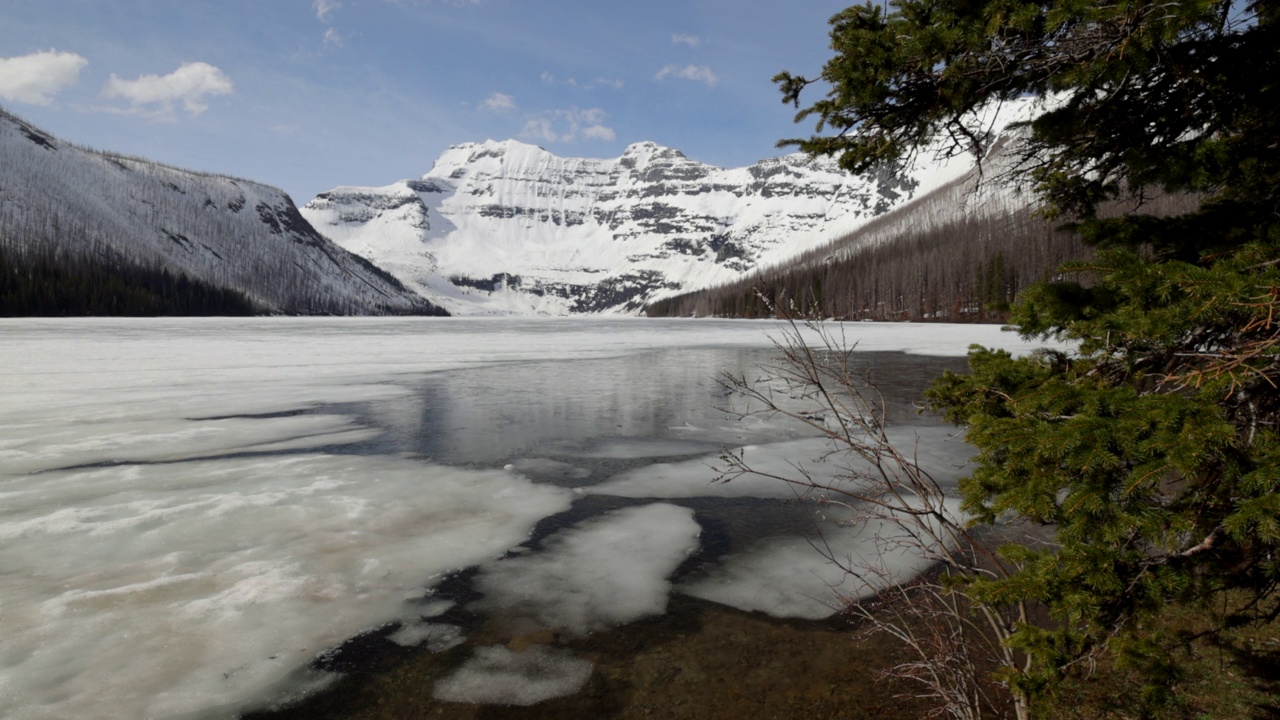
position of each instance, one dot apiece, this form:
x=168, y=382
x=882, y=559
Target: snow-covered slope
x=500, y=227
x=83, y=204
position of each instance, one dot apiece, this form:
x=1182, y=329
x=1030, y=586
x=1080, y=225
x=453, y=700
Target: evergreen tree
x=1153, y=449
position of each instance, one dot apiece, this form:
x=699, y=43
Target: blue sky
x=311, y=94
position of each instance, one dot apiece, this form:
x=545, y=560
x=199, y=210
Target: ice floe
x=809, y=576
x=500, y=676
x=161, y=590
x=603, y=572
x=815, y=461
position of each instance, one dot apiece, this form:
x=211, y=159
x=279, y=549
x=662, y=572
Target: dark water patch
x=699, y=659
x=585, y=508
x=577, y=411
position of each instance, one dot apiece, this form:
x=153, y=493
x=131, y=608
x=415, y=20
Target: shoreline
x=698, y=660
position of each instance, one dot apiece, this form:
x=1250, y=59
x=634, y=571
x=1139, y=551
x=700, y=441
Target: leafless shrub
x=955, y=647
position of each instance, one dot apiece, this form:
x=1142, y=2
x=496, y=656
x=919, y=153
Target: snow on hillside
x=56, y=198
x=509, y=227
x=506, y=227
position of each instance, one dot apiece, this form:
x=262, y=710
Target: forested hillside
x=42, y=282
x=959, y=254
x=70, y=212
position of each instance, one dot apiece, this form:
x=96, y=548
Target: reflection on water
x=575, y=424
x=610, y=413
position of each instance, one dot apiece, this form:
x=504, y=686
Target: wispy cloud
x=568, y=125
x=697, y=73
x=599, y=132
x=692, y=41
x=324, y=8
x=156, y=95
x=540, y=129
x=611, y=83
x=498, y=103
x=34, y=79
x=593, y=84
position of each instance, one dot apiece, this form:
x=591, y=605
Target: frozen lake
x=194, y=513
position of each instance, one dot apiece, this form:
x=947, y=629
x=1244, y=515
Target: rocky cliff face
x=57, y=199
x=500, y=227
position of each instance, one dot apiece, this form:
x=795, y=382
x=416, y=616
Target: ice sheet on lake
x=36, y=447
x=550, y=470
x=159, y=590
x=791, y=575
x=496, y=675
x=135, y=590
x=794, y=576
x=603, y=572
x=933, y=449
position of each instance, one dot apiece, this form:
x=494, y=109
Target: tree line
x=45, y=282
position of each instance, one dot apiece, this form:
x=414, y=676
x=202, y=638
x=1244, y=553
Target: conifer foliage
x=41, y=282
x=1152, y=449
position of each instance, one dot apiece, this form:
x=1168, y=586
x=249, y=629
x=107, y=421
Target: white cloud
x=324, y=8
x=593, y=84
x=697, y=73
x=613, y=83
x=156, y=95
x=592, y=115
x=568, y=125
x=499, y=103
x=34, y=79
x=692, y=41
x=539, y=129
x=332, y=38
x=599, y=132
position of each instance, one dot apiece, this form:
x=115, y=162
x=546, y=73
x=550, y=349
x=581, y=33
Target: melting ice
x=192, y=509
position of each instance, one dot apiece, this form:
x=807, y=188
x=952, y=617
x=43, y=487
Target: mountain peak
x=504, y=226
x=642, y=147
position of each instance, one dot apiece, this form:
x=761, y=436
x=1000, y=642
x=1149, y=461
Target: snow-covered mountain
x=57, y=198
x=500, y=227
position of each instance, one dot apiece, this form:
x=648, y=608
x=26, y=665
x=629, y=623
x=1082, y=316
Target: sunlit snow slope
x=506, y=227
x=60, y=200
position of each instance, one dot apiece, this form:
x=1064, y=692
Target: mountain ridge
x=508, y=227
x=78, y=205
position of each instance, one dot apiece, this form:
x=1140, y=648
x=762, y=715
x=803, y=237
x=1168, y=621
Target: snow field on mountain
x=516, y=209
x=608, y=235
x=187, y=520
